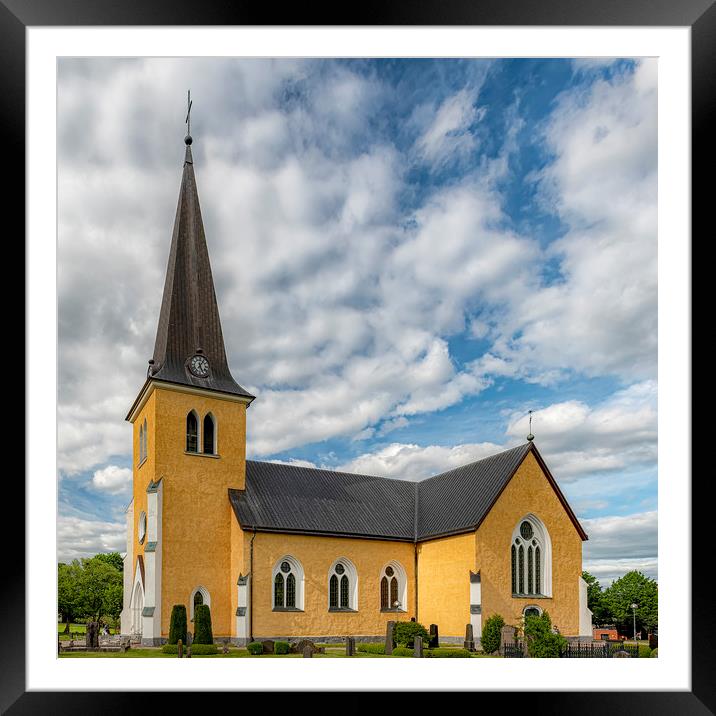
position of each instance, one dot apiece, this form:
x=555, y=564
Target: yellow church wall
x=317, y=555
x=444, y=582
x=196, y=512
x=529, y=492
x=142, y=473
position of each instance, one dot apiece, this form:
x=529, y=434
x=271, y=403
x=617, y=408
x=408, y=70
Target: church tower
x=189, y=436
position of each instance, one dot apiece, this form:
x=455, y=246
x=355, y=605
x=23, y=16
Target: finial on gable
x=530, y=437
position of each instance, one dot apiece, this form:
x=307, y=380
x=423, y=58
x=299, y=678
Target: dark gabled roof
x=459, y=499
x=288, y=498
x=189, y=317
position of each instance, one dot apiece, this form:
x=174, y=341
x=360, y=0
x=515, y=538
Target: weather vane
x=187, y=139
x=530, y=437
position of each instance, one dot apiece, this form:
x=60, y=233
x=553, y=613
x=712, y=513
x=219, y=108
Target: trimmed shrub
x=202, y=625
x=442, y=653
x=281, y=647
x=255, y=648
x=644, y=651
x=654, y=653
x=491, y=633
x=541, y=642
x=402, y=651
x=405, y=632
x=371, y=648
x=196, y=649
x=177, y=624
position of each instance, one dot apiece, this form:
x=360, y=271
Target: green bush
x=405, y=632
x=541, y=642
x=202, y=625
x=255, y=648
x=281, y=647
x=442, y=653
x=177, y=624
x=402, y=651
x=654, y=653
x=371, y=648
x=196, y=649
x=644, y=651
x=491, y=633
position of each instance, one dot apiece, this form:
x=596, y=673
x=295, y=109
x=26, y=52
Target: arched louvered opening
x=192, y=432
x=209, y=435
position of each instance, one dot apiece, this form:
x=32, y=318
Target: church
x=279, y=551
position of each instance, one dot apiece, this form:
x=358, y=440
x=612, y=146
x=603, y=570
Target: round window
x=389, y=571
x=142, y=527
x=526, y=530
x=340, y=568
x=285, y=567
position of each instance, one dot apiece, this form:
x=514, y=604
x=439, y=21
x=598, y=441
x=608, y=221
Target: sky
x=408, y=255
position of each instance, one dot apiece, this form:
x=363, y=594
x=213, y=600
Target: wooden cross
x=188, y=112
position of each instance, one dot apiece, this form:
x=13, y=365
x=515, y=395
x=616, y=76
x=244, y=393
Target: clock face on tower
x=199, y=366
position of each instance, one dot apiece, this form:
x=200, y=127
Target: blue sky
x=408, y=255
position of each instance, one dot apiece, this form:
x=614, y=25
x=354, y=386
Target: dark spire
x=189, y=324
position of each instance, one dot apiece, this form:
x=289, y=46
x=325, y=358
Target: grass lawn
x=76, y=631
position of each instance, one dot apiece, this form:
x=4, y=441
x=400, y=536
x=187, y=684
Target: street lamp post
x=633, y=608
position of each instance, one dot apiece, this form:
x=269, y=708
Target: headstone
x=225, y=649
x=267, y=646
x=418, y=647
x=621, y=655
x=307, y=652
x=72, y=643
x=350, y=646
x=189, y=638
x=188, y=652
x=390, y=626
x=300, y=646
x=180, y=649
x=469, y=643
x=433, y=643
x=92, y=635
x=507, y=636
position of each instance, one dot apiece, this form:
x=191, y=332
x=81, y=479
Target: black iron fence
x=513, y=650
x=600, y=650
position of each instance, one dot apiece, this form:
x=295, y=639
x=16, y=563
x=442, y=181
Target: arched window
x=287, y=584
x=200, y=595
x=192, y=432
x=141, y=443
x=531, y=558
x=145, y=439
x=342, y=586
x=393, y=583
x=209, y=443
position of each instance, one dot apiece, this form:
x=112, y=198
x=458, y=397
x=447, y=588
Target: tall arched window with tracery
x=531, y=558
x=192, y=432
x=287, y=584
x=393, y=583
x=342, y=586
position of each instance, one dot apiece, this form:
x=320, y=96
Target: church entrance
x=137, y=607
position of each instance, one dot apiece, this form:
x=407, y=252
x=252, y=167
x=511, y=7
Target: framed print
x=450, y=249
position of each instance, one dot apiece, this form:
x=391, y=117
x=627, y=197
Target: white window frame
x=352, y=573
x=198, y=433
x=400, y=574
x=297, y=571
x=544, y=542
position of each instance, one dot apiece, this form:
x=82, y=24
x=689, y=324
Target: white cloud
x=609, y=570
x=77, y=537
x=112, y=479
x=615, y=537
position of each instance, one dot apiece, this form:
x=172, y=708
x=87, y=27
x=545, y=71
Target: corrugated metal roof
x=288, y=498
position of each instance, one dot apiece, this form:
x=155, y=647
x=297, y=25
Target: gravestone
x=390, y=626
x=92, y=635
x=469, y=643
x=188, y=652
x=433, y=643
x=621, y=655
x=418, y=647
x=180, y=649
x=350, y=646
x=225, y=648
x=268, y=646
x=189, y=638
x=507, y=636
x=307, y=652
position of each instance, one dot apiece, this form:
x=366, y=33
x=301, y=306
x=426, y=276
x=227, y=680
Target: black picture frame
x=699, y=15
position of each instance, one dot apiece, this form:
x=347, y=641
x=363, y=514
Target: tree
x=112, y=558
x=633, y=588
x=491, y=633
x=100, y=584
x=595, y=600
x=202, y=625
x=542, y=642
x=68, y=592
x=177, y=624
